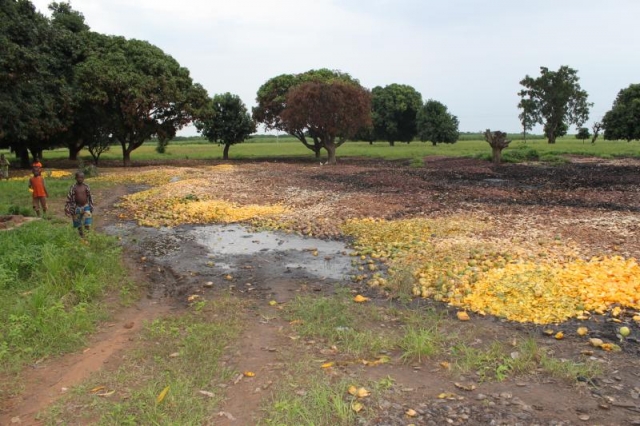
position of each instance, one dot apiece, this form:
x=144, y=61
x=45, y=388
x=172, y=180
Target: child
x=36, y=163
x=79, y=204
x=38, y=192
x=4, y=167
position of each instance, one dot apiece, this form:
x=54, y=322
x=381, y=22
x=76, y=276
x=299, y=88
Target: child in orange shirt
x=38, y=191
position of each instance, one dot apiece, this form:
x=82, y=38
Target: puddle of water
x=325, y=259
x=229, y=248
x=235, y=239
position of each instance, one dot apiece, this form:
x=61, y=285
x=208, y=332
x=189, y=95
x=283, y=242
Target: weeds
x=340, y=322
x=309, y=398
x=50, y=286
x=180, y=352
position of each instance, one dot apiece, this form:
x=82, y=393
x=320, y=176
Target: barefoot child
x=79, y=204
x=38, y=192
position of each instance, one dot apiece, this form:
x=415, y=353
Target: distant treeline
x=464, y=136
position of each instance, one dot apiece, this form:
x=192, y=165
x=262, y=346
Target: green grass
x=497, y=361
x=182, y=353
x=422, y=337
x=261, y=148
x=341, y=322
x=15, y=197
x=51, y=283
x=311, y=400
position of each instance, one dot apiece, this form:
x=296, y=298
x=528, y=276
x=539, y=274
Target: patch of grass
x=309, y=398
x=401, y=284
x=492, y=363
x=422, y=337
x=51, y=283
x=340, y=322
x=419, y=343
x=182, y=353
x=499, y=361
x=472, y=146
x=519, y=154
x=416, y=163
x=570, y=371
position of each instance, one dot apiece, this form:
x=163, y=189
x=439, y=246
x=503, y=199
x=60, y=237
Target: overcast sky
x=468, y=54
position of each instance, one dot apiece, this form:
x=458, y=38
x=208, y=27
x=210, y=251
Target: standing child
x=80, y=204
x=38, y=191
x=36, y=163
x=4, y=167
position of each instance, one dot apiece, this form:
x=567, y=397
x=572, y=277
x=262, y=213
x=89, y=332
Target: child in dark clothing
x=79, y=204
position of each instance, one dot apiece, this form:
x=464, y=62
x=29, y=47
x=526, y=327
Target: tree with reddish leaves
x=331, y=111
x=271, y=102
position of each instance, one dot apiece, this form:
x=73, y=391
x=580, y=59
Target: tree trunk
x=317, y=152
x=434, y=143
x=552, y=139
x=331, y=151
x=497, y=155
x=36, y=153
x=23, y=154
x=225, y=151
x=126, y=154
x=74, y=149
x=392, y=143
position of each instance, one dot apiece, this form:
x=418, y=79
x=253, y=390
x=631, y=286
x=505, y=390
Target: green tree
x=437, y=124
x=583, y=133
x=623, y=120
x=142, y=91
x=553, y=99
x=331, y=111
x=226, y=121
x=597, y=127
x=79, y=123
x=271, y=103
x=394, y=111
x=35, y=73
x=63, y=15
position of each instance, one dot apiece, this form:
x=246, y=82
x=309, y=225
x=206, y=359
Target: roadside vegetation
x=52, y=283
x=172, y=375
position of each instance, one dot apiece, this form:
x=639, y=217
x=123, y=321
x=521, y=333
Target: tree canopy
x=583, y=134
x=63, y=85
x=332, y=111
x=272, y=101
x=623, y=120
x=436, y=124
x=226, y=121
x=394, y=110
x=553, y=99
x=35, y=73
x=141, y=91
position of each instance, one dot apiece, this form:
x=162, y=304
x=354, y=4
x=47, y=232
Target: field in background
x=272, y=147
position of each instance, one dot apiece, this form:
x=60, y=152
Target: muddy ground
x=595, y=203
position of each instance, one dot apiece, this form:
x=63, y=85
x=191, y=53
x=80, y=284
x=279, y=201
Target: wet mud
x=187, y=259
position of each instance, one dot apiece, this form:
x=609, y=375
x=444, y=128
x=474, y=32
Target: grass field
x=264, y=147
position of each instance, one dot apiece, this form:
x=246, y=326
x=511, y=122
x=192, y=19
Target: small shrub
x=520, y=154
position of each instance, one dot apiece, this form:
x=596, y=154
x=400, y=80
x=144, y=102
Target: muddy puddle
x=186, y=258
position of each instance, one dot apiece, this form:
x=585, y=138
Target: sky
x=468, y=54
